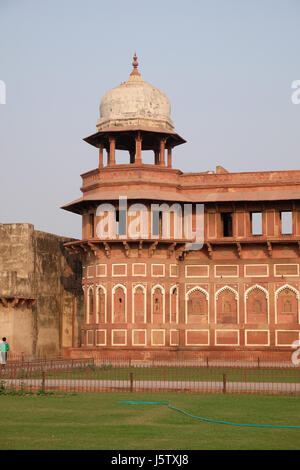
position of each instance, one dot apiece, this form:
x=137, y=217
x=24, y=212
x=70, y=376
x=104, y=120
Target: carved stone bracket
x=75, y=250
x=94, y=248
x=210, y=250
x=171, y=249
x=127, y=248
x=181, y=253
x=107, y=249
x=152, y=248
x=140, y=247
x=269, y=247
x=239, y=249
x=15, y=302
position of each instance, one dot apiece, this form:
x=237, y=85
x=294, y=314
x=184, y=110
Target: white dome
x=135, y=103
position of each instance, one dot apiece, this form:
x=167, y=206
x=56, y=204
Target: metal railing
x=89, y=375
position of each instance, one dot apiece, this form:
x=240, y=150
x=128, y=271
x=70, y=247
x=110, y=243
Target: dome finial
x=135, y=65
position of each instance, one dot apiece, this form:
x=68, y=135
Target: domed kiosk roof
x=135, y=103
x=134, y=108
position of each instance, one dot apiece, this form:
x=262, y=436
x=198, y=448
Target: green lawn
x=97, y=421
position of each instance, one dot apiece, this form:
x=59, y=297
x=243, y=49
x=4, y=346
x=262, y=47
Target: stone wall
x=41, y=308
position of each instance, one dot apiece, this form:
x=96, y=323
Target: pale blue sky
x=226, y=65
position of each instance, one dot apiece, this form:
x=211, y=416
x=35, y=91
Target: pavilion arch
x=187, y=296
x=162, y=290
x=124, y=305
x=236, y=297
x=174, y=309
x=100, y=288
x=134, y=289
x=248, y=291
x=278, y=291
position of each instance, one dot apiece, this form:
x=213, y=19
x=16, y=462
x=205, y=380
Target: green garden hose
x=134, y=402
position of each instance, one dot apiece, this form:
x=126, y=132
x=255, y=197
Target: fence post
x=258, y=362
x=224, y=383
x=207, y=361
x=131, y=381
x=43, y=381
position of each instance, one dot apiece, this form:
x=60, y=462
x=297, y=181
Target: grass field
x=97, y=421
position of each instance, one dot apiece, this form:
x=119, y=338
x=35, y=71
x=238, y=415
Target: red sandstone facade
x=151, y=296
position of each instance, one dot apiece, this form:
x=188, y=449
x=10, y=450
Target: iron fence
x=89, y=375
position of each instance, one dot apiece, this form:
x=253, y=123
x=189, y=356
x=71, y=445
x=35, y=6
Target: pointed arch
x=256, y=286
x=227, y=288
x=287, y=286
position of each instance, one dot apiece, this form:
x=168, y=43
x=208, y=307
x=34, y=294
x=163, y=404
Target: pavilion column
x=112, y=151
x=162, y=152
x=156, y=157
x=170, y=157
x=101, y=156
x=138, y=149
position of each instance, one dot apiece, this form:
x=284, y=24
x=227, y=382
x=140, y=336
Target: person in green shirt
x=4, y=347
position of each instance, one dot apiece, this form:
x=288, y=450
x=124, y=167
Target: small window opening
x=156, y=223
x=92, y=225
x=121, y=222
x=256, y=223
x=227, y=224
x=286, y=223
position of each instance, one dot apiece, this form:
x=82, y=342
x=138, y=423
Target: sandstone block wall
x=41, y=308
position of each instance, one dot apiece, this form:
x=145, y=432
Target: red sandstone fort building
x=151, y=295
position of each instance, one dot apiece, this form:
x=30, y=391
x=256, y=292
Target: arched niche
x=287, y=304
x=197, y=306
x=174, y=304
x=226, y=305
x=139, y=304
x=90, y=305
x=101, y=305
x=158, y=304
x=119, y=312
x=257, y=305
